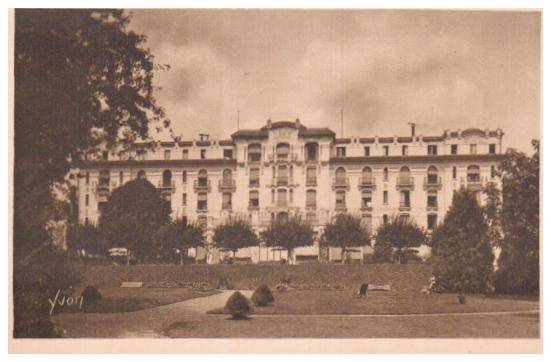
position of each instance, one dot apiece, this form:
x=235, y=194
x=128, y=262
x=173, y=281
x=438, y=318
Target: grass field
x=116, y=300
x=406, y=278
x=394, y=302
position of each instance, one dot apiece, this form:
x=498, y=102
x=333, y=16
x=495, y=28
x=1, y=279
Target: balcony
x=340, y=207
x=341, y=183
x=201, y=185
x=404, y=182
x=102, y=187
x=282, y=203
x=289, y=157
x=226, y=206
x=311, y=181
x=226, y=185
x=254, y=183
x=166, y=186
x=432, y=183
x=366, y=182
x=404, y=207
x=282, y=181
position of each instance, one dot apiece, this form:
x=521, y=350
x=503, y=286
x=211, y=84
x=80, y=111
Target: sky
x=383, y=68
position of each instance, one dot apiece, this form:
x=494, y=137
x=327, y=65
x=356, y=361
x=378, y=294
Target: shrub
x=262, y=296
x=90, y=295
x=238, y=306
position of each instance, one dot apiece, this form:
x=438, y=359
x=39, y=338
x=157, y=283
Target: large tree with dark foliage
x=289, y=234
x=461, y=247
x=402, y=234
x=517, y=220
x=234, y=234
x=133, y=214
x=81, y=79
x=178, y=236
x=345, y=231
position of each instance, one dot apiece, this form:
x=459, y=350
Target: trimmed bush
x=262, y=296
x=90, y=295
x=238, y=306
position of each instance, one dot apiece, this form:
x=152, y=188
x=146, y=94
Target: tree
x=402, y=234
x=461, y=247
x=234, y=234
x=84, y=237
x=133, y=214
x=288, y=234
x=82, y=79
x=345, y=231
x=178, y=236
x=518, y=219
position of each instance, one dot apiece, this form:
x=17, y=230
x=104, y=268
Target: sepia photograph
x=274, y=174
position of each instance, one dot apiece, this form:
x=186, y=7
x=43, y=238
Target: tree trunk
x=343, y=251
x=181, y=257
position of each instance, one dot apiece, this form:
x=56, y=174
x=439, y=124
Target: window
x=184, y=199
x=404, y=199
x=454, y=172
x=226, y=201
x=386, y=150
x=167, y=154
x=227, y=177
x=184, y=177
x=404, y=178
x=104, y=178
x=185, y=154
x=291, y=195
x=282, y=151
x=102, y=206
x=228, y=154
x=273, y=196
x=473, y=173
x=492, y=171
x=254, y=177
x=87, y=178
x=432, y=175
x=141, y=175
x=454, y=150
x=473, y=149
x=255, y=152
x=341, y=151
x=385, y=219
x=311, y=200
x=311, y=152
x=385, y=197
x=385, y=174
x=492, y=148
x=340, y=176
x=431, y=221
x=366, y=151
x=202, y=178
x=87, y=200
x=121, y=178
x=167, y=178
x=366, y=199
x=202, y=201
x=404, y=217
x=340, y=200
x=105, y=155
x=366, y=222
x=432, y=150
x=432, y=199
x=311, y=176
x=404, y=150
x=203, y=153
x=281, y=197
x=253, y=199
x=367, y=178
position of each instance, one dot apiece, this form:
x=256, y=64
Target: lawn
x=498, y=326
x=116, y=300
x=407, y=277
x=393, y=302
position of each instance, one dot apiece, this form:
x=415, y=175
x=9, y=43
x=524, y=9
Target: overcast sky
x=439, y=69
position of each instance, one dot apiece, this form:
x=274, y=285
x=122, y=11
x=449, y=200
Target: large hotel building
x=286, y=168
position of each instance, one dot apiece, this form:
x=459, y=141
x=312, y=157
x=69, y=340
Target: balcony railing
x=254, y=183
x=366, y=182
x=341, y=182
x=288, y=157
x=282, y=181
x=226, y=185
x=311, y=181
x=404, y=182
x=201, y=185
x=432, y=182
x=282, y=203
x=166, y=185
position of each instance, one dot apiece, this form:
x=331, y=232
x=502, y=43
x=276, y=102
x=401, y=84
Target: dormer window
x=492, y=148
x=454, y=150
x=432, y=150
x=203, y=154
x=386, y=150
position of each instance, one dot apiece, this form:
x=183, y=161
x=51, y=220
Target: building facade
x=284, y=169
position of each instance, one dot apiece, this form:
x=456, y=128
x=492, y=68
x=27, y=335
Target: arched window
x=227, y=177
x=167, y=178
x=340, y=176
x=367, y=176
x=432, y=175
x=202, y=178
x=141, y=175
x=282, y=151
x=473, y=173
x=404, y=178
x=104, y=178
x=311, y=199
x=254, y=152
